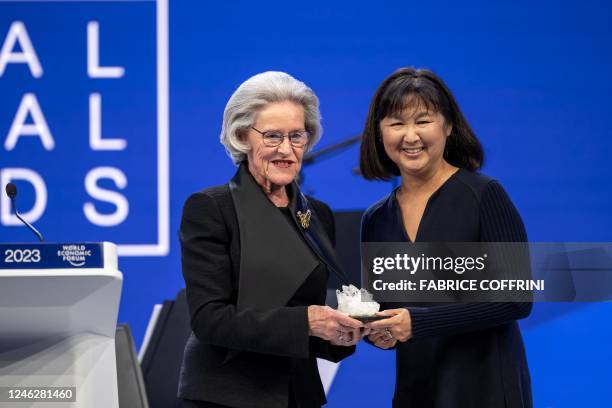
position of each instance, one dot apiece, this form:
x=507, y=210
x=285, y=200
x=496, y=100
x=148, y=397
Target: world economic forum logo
x=75, y=255
x=84, y=120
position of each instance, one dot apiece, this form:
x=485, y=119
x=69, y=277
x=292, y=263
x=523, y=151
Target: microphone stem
x=27, y=224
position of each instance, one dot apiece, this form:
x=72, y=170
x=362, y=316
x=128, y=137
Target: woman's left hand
x=398, y=325
x=382, y=340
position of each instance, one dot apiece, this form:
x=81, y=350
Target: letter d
x=40, y=192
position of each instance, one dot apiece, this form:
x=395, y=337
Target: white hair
x=254, y=94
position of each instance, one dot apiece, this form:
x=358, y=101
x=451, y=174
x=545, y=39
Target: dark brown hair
x=401, y=90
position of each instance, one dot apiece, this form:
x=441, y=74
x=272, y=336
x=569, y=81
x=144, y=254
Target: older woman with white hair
x=256, y=256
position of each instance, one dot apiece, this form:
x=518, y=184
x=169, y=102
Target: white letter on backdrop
x=19, y=127
x=94, y=70
x=18, y=34
x=40, y=201
x=95, y=191
x=95, y=127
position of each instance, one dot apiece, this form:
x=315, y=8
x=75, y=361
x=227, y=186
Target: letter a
x=27, y=55
x=29, y=104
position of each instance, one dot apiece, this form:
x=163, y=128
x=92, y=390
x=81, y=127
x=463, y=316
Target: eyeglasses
x=273, y=138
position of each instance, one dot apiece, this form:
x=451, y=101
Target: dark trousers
x=205, y=404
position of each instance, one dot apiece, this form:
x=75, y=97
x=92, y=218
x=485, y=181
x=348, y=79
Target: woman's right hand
x=334, y=326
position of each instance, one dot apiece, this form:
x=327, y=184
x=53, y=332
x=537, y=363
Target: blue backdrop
x=532, y=79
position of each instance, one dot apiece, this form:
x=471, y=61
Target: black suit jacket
x=242, y=264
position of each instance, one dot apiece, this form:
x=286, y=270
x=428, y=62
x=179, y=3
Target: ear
x=449, y=129
x=242, y=135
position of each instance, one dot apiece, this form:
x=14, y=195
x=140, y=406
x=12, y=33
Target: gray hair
x=254, y=94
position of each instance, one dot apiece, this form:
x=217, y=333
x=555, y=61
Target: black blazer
x=461, y=354
x=242, y=264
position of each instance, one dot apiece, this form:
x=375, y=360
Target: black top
x=315, y=284
x=460, y=355
x=309, y=293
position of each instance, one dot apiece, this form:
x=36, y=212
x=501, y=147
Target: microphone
x=11, y=192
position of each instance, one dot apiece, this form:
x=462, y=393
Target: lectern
x=58, y=313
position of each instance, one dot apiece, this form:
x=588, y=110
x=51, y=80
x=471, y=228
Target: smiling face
x=414, y=140
x=279, y=165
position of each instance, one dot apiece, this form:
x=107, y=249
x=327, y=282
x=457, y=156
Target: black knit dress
x=460, y=355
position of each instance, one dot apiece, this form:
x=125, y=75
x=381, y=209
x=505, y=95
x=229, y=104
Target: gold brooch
x=304, y=218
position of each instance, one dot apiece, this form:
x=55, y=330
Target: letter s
x=123, y=207
x=480, y=263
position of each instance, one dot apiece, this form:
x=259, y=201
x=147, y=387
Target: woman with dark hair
x=453, y=354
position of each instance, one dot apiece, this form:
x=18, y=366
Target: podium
x=58, y=313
